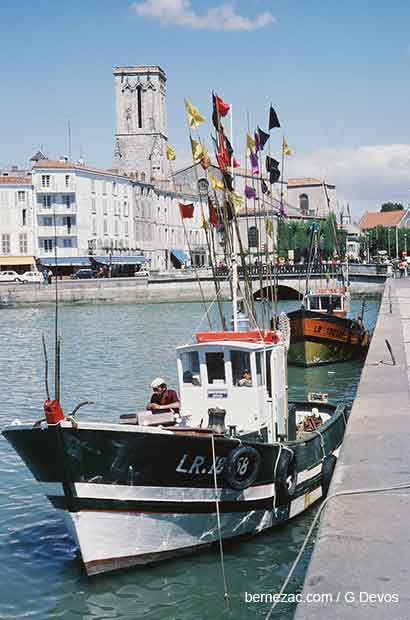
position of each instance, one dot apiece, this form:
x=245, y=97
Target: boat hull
x=318, y=338
x=134, y=496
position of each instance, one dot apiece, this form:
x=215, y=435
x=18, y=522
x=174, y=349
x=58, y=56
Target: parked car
x=84, y=274
x=32, y=276
x=10, y=276
x=142, y=273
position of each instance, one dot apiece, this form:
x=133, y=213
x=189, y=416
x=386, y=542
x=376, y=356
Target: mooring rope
x=218, y=520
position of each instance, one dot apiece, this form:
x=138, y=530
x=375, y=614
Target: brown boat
x=321, y=333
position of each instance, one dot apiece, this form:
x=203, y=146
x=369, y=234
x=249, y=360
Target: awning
x=17, y=260
x=65, y=261
x=120, y=260
x=180, y=255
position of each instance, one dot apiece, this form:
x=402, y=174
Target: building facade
x=17, y=222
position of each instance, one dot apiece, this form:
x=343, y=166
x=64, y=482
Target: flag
x=213, y=214
x=263, y=138
x=257, y=142
x=271, y=163
x=186, y=211
x=250, y=143
x=236, y=199
x=269, y=228
x=195, y=118
x=228, y=181
x=265, y=189
x=216, y=183
x=254, y=163
x=206, y=160
x=220, y=108
x=274, y=175
x=204, y=224
x=250, y=192
x=171, y=154
x=273, y=119
x=197, y=150
x=285, y=148
x=235, y=163
x=229, y=148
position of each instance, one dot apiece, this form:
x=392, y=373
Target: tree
x=391, y=206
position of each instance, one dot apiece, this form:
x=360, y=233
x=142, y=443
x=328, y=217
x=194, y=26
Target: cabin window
x=216, y=367
x=331, y=302
x=259, y=378
x=191, y=372
x=241, y=362
x=314, y=303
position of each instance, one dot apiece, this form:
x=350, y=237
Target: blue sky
x=337, y=74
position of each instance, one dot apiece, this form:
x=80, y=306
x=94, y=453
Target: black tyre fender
x=286, y=478
x=241, y=467
x=328, y=467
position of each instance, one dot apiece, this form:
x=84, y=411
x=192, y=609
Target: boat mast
x=234, y=262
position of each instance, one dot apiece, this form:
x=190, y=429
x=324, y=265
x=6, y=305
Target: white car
x=10, y=276
x=142, y=273
x=32, y=276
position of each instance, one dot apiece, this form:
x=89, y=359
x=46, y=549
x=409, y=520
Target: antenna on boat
x=45, y=367
x=57, y=341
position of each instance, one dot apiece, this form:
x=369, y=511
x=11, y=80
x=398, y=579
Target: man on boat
x=163, y=400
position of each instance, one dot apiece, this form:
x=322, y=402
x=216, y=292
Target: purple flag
x=250, y=192
x=254, y=163
x=257, y=142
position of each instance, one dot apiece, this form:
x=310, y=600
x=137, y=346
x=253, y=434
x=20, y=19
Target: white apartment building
x=17, y=238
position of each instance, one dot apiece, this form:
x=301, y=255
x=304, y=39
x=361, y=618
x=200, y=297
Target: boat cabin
x=327, y=300
x=244, y=376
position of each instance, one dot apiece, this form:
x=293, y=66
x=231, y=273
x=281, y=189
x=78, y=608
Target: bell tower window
x=139, y=104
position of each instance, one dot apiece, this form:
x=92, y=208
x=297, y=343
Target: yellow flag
x=171, y=154
x=216, y=184
x=197, y=150
x=237, y=199
x=205, y=159
x=195, y=118
x=285, y=147
x=250, y=143
x=269, y=228
x=204, y=224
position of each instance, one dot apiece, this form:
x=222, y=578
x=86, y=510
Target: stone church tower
x=141, y=136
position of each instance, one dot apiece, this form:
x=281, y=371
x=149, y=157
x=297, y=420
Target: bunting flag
x=273, y=119
x=186, y=211
x=206, y=160
x=265, y=189
x=257, y=142
x=197, y=150
x=216, y=183
x=195, y=118
x=271, y=163
x=213, y=214
x=250, y=192
x=228, y=181
x=204, y=224
x=250, y=143
x=254, y=163
x=236, y=199
x=272, y=166
x=220, y=108
x=274, y=175
x=229, y=148
x=269, y=228
x=235, y=163
x=171, y=154
x=285, y=148
x=263, y=138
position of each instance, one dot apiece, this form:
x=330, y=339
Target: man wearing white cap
x=163, y=399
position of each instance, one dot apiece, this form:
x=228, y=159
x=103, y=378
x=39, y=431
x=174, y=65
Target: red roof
x=6, y=179
x=381, y=218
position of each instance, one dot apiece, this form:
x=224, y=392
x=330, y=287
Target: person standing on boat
x=163, y=399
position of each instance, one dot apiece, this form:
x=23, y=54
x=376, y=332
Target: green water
x=110, y=355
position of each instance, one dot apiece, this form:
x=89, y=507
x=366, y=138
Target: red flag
x=235, y=163
x=213, y=214
x=187, y=211
x=222, y=107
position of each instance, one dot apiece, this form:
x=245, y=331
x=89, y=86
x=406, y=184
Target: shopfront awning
x=180, y=255
x=65, y=261
x=120, y=260
x=9, y=259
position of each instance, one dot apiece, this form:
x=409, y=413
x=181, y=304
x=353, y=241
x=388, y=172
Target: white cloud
x=365, y=176
x=181, y=13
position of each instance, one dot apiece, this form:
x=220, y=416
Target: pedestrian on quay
x=49, y=276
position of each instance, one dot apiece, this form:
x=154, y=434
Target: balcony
x=59, y=209
x=61, y=231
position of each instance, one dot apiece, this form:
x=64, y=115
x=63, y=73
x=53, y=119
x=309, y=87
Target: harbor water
x=110, y=354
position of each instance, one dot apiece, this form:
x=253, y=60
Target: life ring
x=241, y=467
x=286, y=478
x=328, y=467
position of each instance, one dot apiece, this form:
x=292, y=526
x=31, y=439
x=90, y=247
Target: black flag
x=274, y=176
x=265, y=189
x=228, y=181
x=263, y=138
x=271, y=163
x=273, y=119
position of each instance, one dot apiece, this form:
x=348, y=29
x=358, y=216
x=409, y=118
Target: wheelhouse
x=245, y=378
x=331, y=300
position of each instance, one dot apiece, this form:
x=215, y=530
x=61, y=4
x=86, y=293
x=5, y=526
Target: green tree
x=392, y=206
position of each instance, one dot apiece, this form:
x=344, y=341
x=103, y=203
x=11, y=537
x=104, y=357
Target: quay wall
x=131, y=290
x=361, y=553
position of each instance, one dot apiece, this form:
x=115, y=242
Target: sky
x=337, y=74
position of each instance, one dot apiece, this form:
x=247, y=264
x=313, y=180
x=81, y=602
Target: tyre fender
x=241, y=467
x=286, y=478
x=328, y=467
